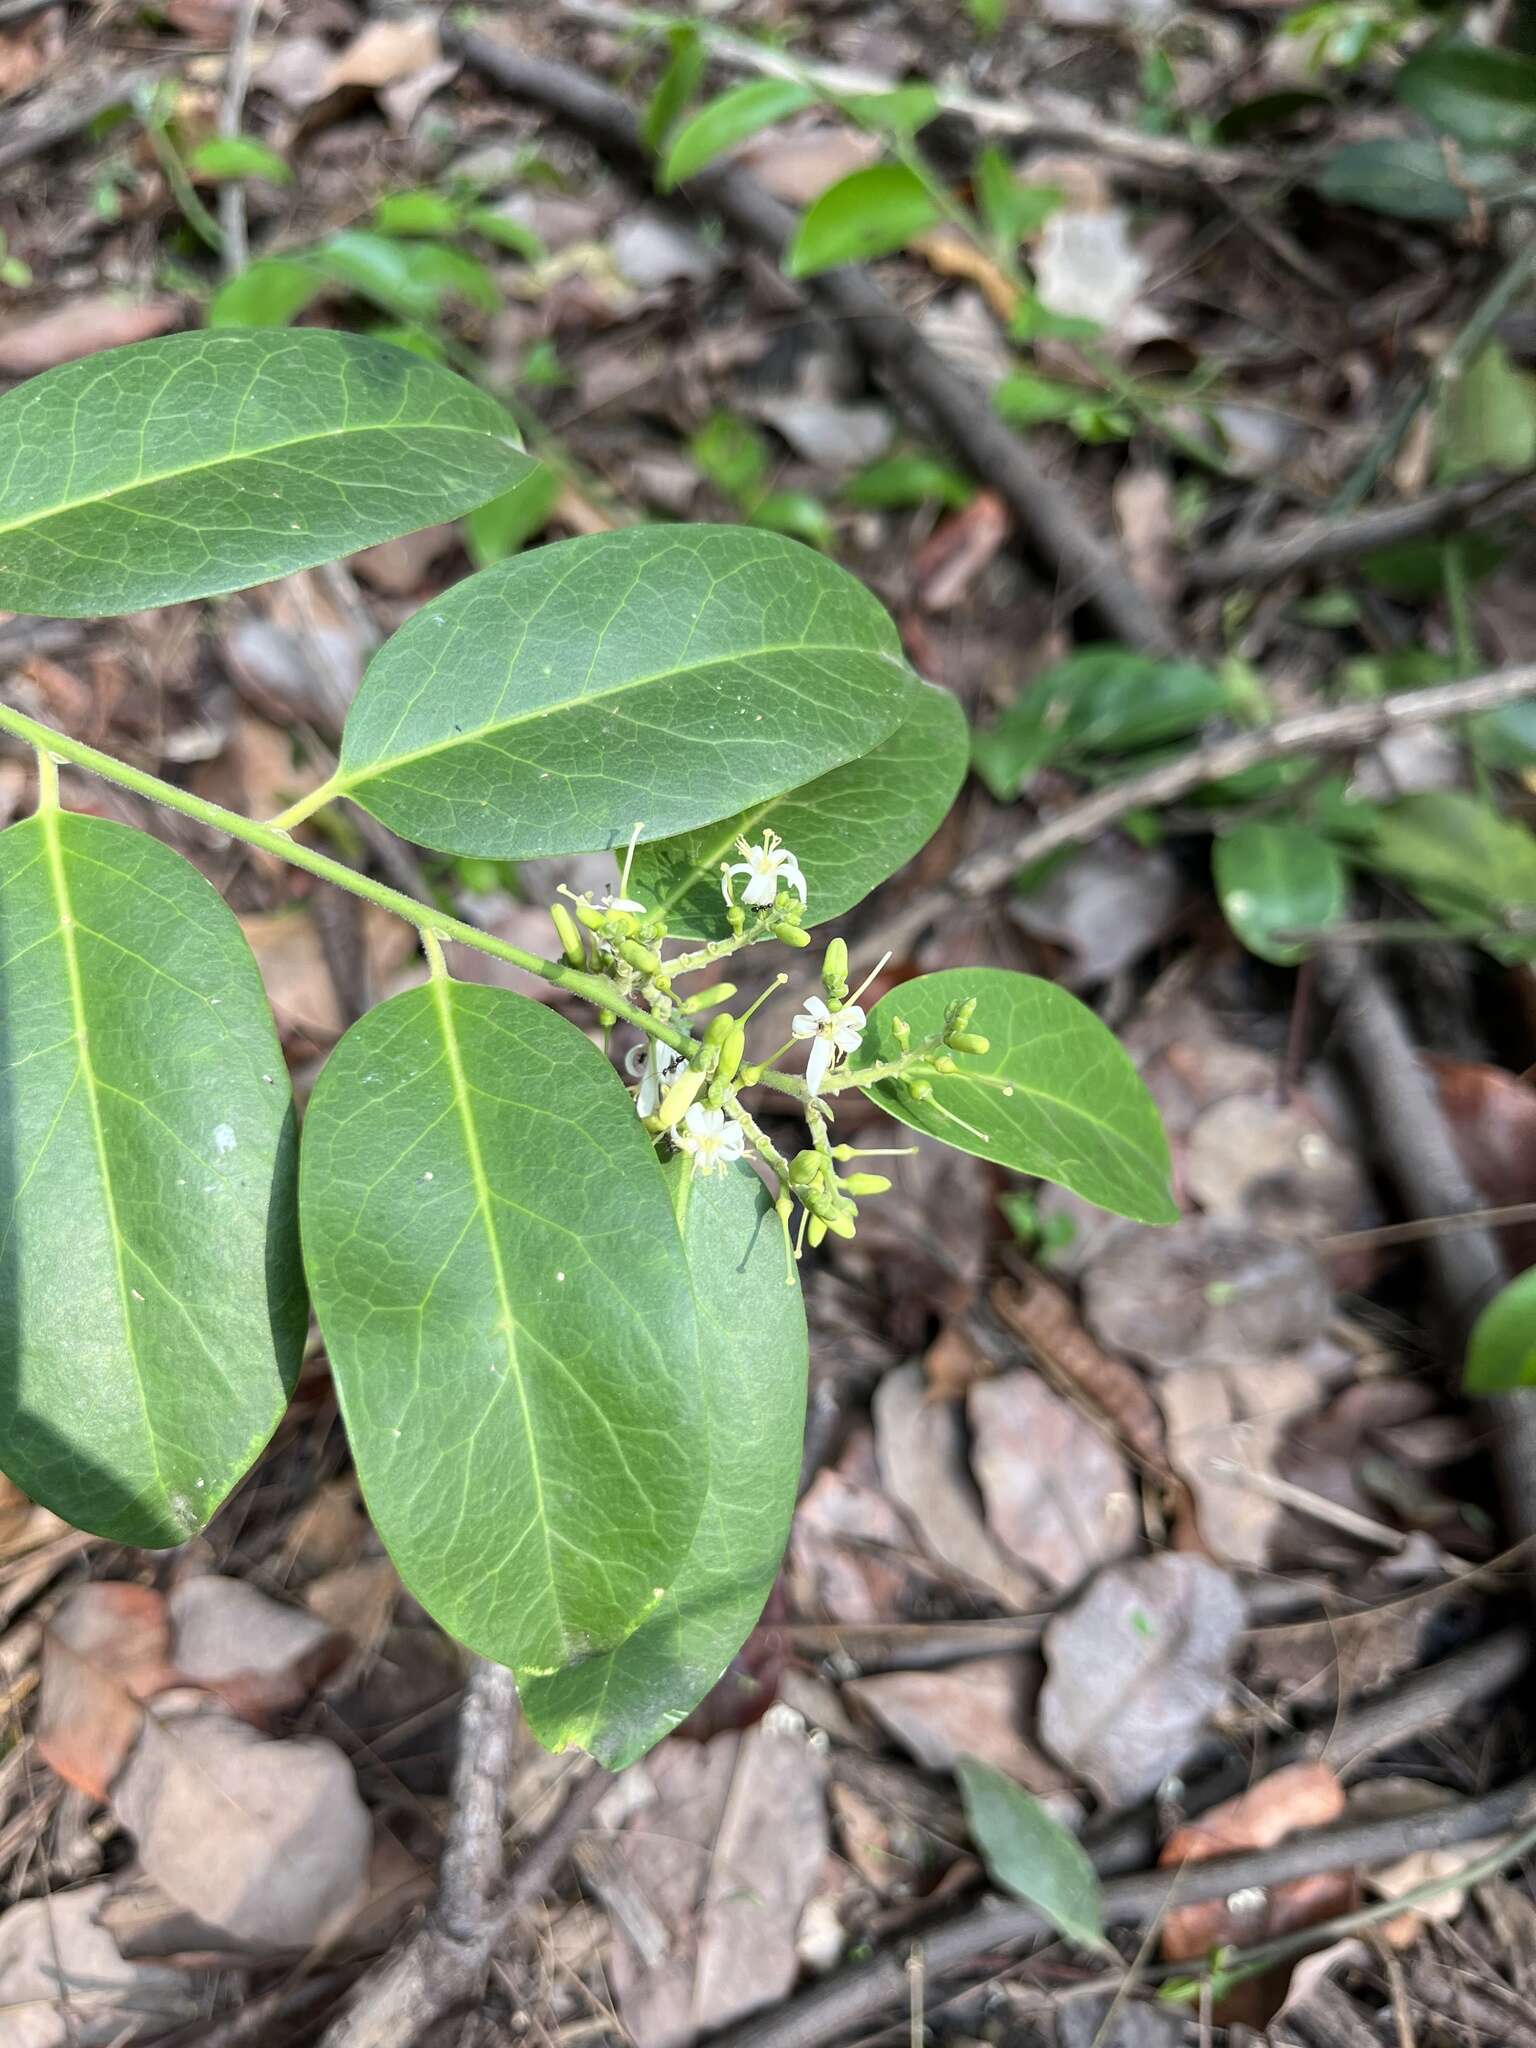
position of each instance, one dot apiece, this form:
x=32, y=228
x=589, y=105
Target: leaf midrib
x=146, y=483
x=48, y=821
x=442, y=1001
x=391, y=764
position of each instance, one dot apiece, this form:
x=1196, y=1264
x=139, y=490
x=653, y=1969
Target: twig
x=237, y=78
x=1091, y=569
x=445, y=1964
x=1507, y=1218
x=1310, y=732
x=855, y=1999
x=1041, y=117
x=1467, y=1267
x=1324, y=543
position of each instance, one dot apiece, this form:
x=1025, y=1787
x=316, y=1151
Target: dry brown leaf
x=268, y=1842
x=384, y=53
x=953, y=254
x=64, y=1983
x=979, y=1708
x=1043, y=1315
x=1145, y=514
x=27, y=51
x=294, y=972
x=842, y=1525
x=1226, y=1425
x=948, y=563
x=105, y=1652
x=1304, y=1795
x=1056, y=1495
x=1492, y=1115
x=257, y=1655
x=954, y=1361
x=79, y=328
x=295, y=72
x=799, y=165
x=1205, y=1293
x=398, y=568
x=1274, y=1165
x=1136, y=1669
x=1107, y=906
x=921, y=1448
x=1313, y=1665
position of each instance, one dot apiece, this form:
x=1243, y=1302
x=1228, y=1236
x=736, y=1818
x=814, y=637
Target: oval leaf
x=498, y=1277
x=1486, y=99
x=730, y=119
x=665, y=674
x=201, y=463
x=1501, y=1352
x=849, y=830
x=1278, y=878
x=869, y=213
x=1057, y=1095
x=752, y=1332
x=150, y=1288
x=1030, y=1853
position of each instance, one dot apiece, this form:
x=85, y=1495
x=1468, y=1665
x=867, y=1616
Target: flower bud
x=816, y=1230
x=790, y=934
x=639, y=957
x=732, y=1046
x=568, y=931
x=736, y=918
x=718, y=1029
x=595, y=920
x=958, y=1016
x=917, y=1091
x=842, y=1222
x=901, y=1031
x=751, y=1074
x=607, y=1019
x=969, y=1041
x=943, y=1064
x=680, y=1097
x=865, y=1184
x=706, y=999
x=834, y=971
x=805, y=1169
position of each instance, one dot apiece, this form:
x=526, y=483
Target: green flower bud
x=706, y=999
x=736, y=918
x=790, y=934
x=969, y=1041
x=865, y=1184
x=680, y=1097
x=568, y=931
x=816, y=1230
x=594, y=920
x=901, y=1031
x=640, y=957
x=834, y=971
x=943, y=1064
x=750, y=1075
x=958, y=1016
x=805, y=1169
x=607, y=1019
x=732, y=1046
x=917, y=1091
x=718, y=1029
x=843, y=1223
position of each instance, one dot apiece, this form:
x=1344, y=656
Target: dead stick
x=444, y=1965
x=1325, y=543
x=1091, y=569
x=237, y=79
x=859, y=1998
x=1310, y=732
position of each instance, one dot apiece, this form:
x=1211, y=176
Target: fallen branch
x=237, y=79
x=1334, y=730
x=444, y=1965
x=1324, y=543
x=1091, y=569
x=859, y=1998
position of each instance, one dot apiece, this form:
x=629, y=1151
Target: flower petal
x=816, y=1066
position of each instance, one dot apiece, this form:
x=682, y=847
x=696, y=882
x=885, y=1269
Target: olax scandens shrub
x=560, y=1305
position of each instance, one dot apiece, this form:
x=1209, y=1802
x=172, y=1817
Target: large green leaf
x=1501, y=1351
x=151, y=1302
x=500, y=1284
x=752, y=1332
x=1473, y=869
x=1278, y=878
x=662, y=675
x=849, y=829
x=867, y=214
x=1058, y=1096
x=1486, y=99
x=1407, y=177
x=205, y=462
x=1030, y=1853
x=1487, y=418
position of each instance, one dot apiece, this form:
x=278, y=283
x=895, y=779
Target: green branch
x=594, y=988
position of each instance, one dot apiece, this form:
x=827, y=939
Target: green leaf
x=151, y=1299
x=1408, y=178
x=797, y=513
x=849, y=830
x=202, y=463
x=1507, y=738
x=1501, y=1351
x=505, y=232
x=1057, y=1095
x=270, y=293
x=1486, y=99
x=1029, y=1853
x=901, y=480
x=238, y=156
x=664, y=675
x=743, y=111
x=411, y=279
x=1011, y=209
x=1025, y=400
x=1277, y=878
x=901, y=110
x=869, y=213
x=418, y=213
x=1487, y=418
x=732, y=454
x=676, y=86
x=1098, y=701
x=501, y=1287
x=752, y=1332
x=1473, y=869
x=494, y=531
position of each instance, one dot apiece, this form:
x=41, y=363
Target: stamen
x=634, y=841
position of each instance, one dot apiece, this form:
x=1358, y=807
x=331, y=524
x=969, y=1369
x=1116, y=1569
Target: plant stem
x=594, y=988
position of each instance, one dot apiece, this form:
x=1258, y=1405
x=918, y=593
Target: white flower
x=623, y=903
x=768, y=868
x=712, y=1139
x=655, y=1065
x=831, y=1032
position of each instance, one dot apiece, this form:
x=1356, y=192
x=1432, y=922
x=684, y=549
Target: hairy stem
x=594, y=988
